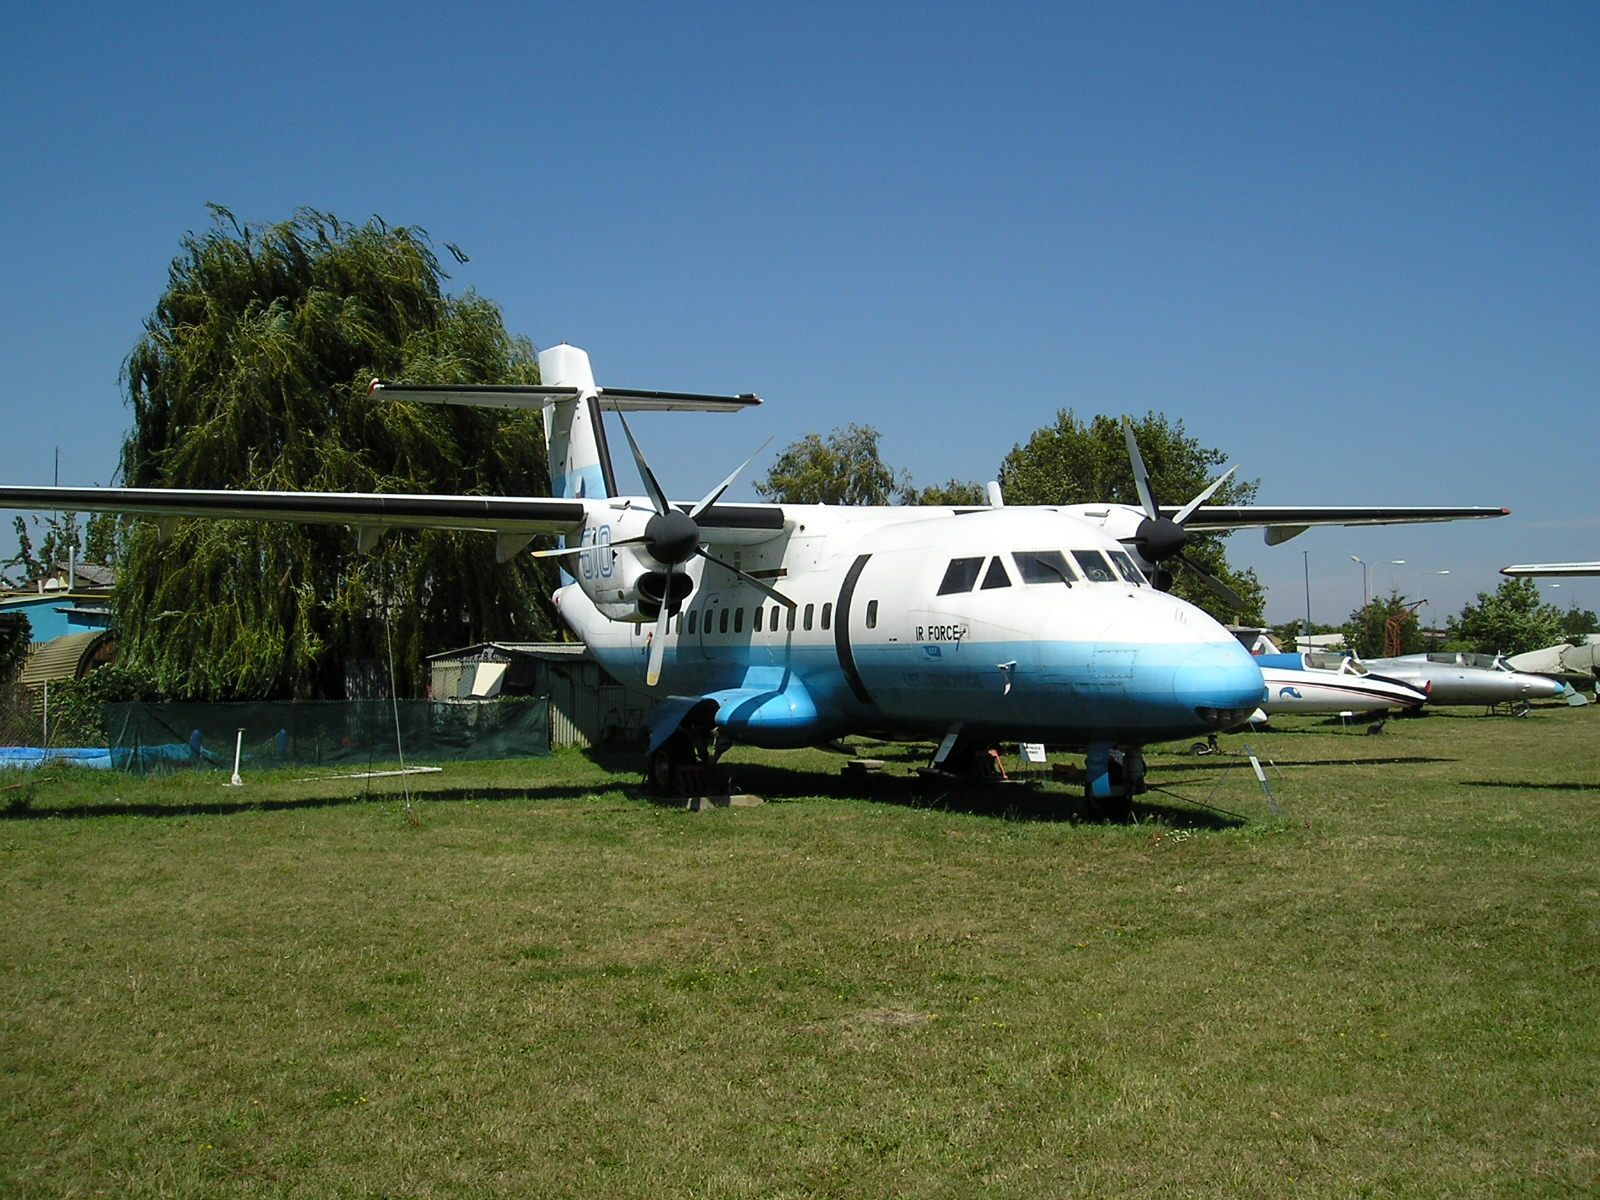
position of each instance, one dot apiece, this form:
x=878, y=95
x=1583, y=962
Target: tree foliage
x=956, y=493
x=1384, y=627
x=1073, y=462
x=843, y=468
x=252, y=373
x=1578, y=623
x=1512, y=620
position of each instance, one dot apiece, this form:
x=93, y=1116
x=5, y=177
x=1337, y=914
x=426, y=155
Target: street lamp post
x=1365, y=596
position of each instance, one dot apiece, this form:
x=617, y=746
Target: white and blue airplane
x=789, y=625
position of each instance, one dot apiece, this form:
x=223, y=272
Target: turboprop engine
x=631, y=577
x=640, y=577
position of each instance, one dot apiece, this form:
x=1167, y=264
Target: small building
x=587, y=706
x=65, y=600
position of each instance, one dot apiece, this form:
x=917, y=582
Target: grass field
x=546, y=986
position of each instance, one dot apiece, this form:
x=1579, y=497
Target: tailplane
x=575, y=437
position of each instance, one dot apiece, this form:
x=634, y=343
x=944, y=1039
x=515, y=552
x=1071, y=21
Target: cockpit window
x=1125, y=567
x=995, y=576
x=960, y=575
x=1043, y=566
x=1324, y=662
x=1095, y=567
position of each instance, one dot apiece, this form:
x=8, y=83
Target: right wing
x=1572, y=568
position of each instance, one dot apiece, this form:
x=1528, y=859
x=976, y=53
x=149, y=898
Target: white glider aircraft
x=789, y=625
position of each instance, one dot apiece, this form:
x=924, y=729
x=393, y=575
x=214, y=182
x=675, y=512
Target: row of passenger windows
x=763, y=618
x=1039, y=566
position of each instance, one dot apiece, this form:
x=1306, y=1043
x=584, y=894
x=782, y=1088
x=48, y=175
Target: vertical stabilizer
x=574, y=438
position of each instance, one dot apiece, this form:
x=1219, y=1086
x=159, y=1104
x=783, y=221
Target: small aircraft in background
x=1322, y=682
x=1460, y=678
x=791, y=625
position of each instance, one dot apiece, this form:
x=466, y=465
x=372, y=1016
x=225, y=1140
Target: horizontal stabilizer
x=533, y=397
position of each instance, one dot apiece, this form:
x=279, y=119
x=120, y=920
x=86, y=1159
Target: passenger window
x=791, y=620
x=722, y=622
x=678, y=625
x=738, y=620
x=1043, y=566
x=959, y=576
x=694, y=620
x=995, y=576
x=810, y=610
x=773, y=624
x=872, y=614
x=1094, y=566
x=760, y=612
x=827, y=614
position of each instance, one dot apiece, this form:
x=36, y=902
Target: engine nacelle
x=627, y=584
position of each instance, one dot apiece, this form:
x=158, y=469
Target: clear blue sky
x=1357, y=247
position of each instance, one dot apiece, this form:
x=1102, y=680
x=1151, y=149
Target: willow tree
x=1073, y=462
x=252, y=373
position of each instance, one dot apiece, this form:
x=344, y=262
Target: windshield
x=1124, y=564
x=1042, y=566
x=1094, y=566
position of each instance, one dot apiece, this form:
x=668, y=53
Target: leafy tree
x=1384, y=627
x=16, y=632
x=1512, y=620
x=61, y=542
x=103, y=539
x=954, y=494
x=843, y=468
x=252, y=373
x=1071, y=462
x=1577, y=624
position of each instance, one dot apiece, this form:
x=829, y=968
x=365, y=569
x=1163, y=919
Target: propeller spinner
x=1160, y=538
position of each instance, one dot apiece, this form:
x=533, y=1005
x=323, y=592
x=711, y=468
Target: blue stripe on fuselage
x=1061, y=691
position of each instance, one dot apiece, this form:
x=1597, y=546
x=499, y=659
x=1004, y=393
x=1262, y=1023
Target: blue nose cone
x=1219, y=684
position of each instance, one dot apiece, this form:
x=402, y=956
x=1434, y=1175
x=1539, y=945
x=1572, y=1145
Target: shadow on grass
x=1591, y=786
x=1213, y=762
x=1011, y=801
x=492, y=794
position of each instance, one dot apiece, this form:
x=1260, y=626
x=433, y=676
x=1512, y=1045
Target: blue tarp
x=98, y=757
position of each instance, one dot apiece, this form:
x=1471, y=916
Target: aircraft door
x=706, y=635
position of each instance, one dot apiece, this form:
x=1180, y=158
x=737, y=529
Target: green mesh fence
x=173, y=737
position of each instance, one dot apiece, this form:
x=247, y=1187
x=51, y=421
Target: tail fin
x=574, y=437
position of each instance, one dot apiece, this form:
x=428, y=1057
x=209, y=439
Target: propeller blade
x=1219, y=589
x=750, y=579
x=1187, y=510
x=1141, y=477
x=658, y=648
x=646, y=475
x=715, y=493
x=562, y=550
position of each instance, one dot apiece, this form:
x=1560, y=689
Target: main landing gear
x=683, y=765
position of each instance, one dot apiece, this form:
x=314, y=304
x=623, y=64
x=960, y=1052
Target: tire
x=661, y=767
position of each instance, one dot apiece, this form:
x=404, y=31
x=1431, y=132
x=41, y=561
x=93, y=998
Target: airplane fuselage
x=1027, y=624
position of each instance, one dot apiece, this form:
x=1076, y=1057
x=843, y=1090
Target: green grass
x=549, y=987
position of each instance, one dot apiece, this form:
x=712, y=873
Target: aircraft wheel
x=661, y=767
